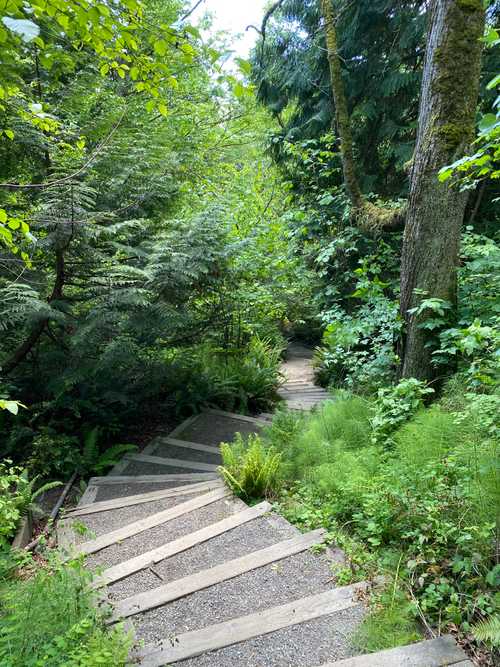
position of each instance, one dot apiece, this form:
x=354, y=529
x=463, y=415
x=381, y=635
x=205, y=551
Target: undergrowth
x=417, y=504
x=49, y=616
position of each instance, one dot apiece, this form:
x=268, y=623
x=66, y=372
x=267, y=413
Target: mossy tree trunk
x=341, y=109
x=445, y=128
x=369, y=217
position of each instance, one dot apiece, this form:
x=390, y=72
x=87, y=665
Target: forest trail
x=299, y=390
x=206, y=581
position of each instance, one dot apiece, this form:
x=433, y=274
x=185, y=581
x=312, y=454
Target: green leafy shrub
x=59, y=455
x=394, y=406
x=241, y=381
x=49, y=616
x=17, y=497
x=428, y=501
x=252, y=470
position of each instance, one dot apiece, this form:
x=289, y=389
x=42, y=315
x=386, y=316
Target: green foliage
x=488, y=630
x=394, y=406
x=17, y=497
x=484, y=163
x=342, y=425
x=252, y=470
x=391, y=622
x=49, y=616
x=58, y=455
x=244, y=380
x=427, y=503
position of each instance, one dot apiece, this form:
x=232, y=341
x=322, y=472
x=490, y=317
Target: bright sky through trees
x=233, y=16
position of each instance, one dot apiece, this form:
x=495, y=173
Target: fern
x=488, y=630
x=93, y=461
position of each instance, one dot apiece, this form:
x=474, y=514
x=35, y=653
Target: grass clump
x=49, y=616
x=252, y=470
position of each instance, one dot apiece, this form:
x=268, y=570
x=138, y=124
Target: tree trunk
x=435, y=210
x=341, y=109
x=370, y=217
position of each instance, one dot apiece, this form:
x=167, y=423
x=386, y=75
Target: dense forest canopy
x=172, y=215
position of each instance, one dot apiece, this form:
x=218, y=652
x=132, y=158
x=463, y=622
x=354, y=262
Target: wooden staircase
x=208, y=581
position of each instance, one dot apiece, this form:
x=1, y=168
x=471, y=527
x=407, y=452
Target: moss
x=454, y=121
x=373, y=218
x=455, y=134
x=470, y=5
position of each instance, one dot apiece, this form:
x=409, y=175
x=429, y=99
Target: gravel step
x=167, y=450
x=431, y=653
x=192, y=583
x=184, y=543
x=171, y=462
x=260, y=533
x=140, y=498
x=156, y=537
x=148, y=520
x=242, y=629
x=184, y=477
x=212, y=428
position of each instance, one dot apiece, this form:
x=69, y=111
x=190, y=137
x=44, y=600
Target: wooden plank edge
x=139, y=499
x=428, y=653
x=196, y=642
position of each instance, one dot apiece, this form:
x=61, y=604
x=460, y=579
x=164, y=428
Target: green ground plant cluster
x=50, y=617
x=418, y=506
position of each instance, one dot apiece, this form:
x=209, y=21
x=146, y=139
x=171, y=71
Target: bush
x=251, y=470
x=17, y=497
x=394, y=406
x=238, y=381
x=49, y=616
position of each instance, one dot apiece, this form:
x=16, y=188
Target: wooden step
x=206, y=578
x=138, y=499
x=431, y=653
x=234, y=415
x=128, y=567
x=152, y=479
x=172, y=463
x=185, y=444
x=156, y=519
x=196, y=642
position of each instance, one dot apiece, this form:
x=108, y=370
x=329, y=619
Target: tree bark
x=369, y=217
x=435, y=212
x=341, y=108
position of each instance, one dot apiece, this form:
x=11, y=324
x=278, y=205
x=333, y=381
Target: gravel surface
x=211, y=429
x=171, y=451
x=280, y=582
x=305, y=645
x=110, y=491
x=142, y=468
x=159, y=535
x=104, y=522
x=245, y=539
